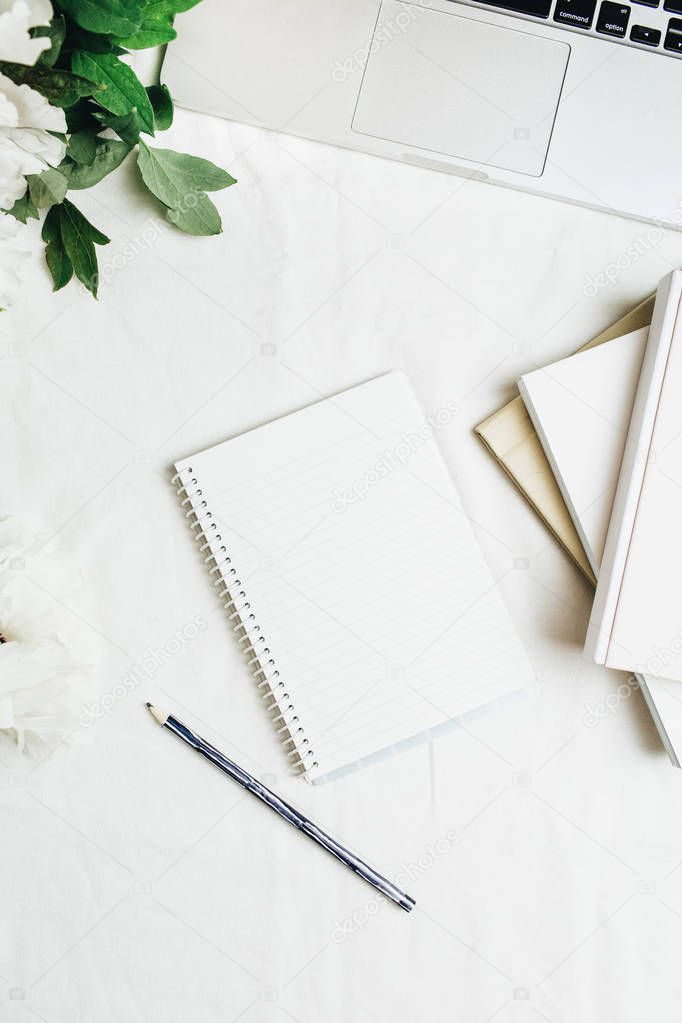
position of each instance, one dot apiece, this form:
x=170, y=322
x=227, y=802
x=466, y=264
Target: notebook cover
x=580, y=408
x=511, y=439
x=635, y=621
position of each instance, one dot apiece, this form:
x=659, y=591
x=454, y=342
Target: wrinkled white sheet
x=139, y=885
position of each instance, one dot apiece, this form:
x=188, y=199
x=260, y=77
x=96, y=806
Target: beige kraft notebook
x=510, y=437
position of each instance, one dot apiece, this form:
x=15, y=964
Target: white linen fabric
x=542, y=842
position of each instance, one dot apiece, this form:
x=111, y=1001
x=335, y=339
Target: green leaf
x=151, y=34
x=79, y=238
x=122, y=92
x=127, y=127
x=180, y=182
x=81, y=117
x=106, y=17
x=156, y=27
x=56, y=33
x=61, y=88
x=47, y=189
x=198, y=216
x=82, y=147
x=162, y=105
x=81, y=39
x=172, y=176
x=109, y=153
x=70, y=246
x=97, y=236
x=58, y=262
x=24, y=209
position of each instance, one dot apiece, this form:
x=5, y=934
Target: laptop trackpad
x=461, y=88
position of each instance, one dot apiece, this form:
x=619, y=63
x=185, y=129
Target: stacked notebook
x=352, y=576
x=618, y=473
x=580, y=408
x=511, y=439
x=635, y=622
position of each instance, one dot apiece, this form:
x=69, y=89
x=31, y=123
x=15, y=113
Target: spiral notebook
x=352, y=576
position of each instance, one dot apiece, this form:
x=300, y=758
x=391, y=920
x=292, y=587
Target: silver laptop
x=573, y=99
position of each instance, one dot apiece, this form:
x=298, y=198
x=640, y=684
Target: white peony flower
x=16, y=18
x=13, y=252
x=26, y=146
x=36, y=681
x=26, y=122
x=26, y=117
x=40, y=680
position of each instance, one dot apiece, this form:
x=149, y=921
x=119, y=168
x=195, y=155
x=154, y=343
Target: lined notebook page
x=361, y=571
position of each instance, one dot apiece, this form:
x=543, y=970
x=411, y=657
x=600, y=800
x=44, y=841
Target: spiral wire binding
x=249, y=635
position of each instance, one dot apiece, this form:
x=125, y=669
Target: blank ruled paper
x=364, y=579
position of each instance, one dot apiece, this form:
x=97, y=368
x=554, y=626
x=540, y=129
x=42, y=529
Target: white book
x=635, y=623
x=353, y=576
x=581, y=408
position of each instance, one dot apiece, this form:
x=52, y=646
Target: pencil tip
x=148, y=705
x=159, y=715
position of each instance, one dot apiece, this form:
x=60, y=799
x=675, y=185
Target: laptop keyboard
x=654, y=25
